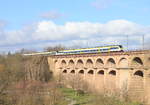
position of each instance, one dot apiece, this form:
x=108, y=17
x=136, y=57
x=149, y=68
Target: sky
x=37, y=24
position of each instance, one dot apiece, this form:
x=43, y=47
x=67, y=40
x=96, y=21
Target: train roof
x=38, y=53
x=90, y=48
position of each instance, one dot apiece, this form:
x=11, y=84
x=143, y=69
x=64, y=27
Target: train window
x=85, y=51
x=120, y=46
x=88, y=50
x=114, y=48
x=96, y=50
x=77, y=51
x=91, y=50
x=103, y=49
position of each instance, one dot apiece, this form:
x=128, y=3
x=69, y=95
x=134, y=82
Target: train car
x=41, y=53
x=102, y=49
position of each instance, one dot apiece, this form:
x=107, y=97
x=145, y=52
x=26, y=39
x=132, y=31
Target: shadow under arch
x=99, y=63
x=123, y=63
x=149, y=59
x=89, y=63
x=112, y=72
x=72, y=71
x=100, y=72
x=71, y=63
x=91, y=72
x=55, y=61
x=137, y=61
x=64, y=71
x=80, y=64
x=81, y=72
x=111, y=63
x=139, y=73
x=63, y=63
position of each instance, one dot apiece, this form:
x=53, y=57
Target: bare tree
x=37, y=68
x=55, y=48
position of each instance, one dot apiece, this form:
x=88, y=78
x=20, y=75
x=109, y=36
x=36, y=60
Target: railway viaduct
x=116, y=72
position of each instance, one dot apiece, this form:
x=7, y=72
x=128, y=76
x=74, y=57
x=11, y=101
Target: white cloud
x=46, y=33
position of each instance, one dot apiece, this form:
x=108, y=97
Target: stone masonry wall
x=112, y=72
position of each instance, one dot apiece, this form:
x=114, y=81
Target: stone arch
x=100, y=72
x=89, y=63
x=111, y=63
x=72, y=71
x=91, y=72
x=137, y=84
x=112, y=72
x=139, y=73
x=99, y=63
x=137, y=61
x=64, y=71
x=111, y=81
x=81, y=72
x=123, y=63
x=99, y=78
x=80, y=64
x=71, y=63
x=63, y=63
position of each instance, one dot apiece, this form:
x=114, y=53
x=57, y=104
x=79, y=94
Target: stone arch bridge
x=116, y=71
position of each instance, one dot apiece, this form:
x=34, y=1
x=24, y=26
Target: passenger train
x=113, y=48
x=102, y=49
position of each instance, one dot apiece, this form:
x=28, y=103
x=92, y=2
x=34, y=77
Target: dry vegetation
x=55, y=48
x=36, y=68
x=27, y=81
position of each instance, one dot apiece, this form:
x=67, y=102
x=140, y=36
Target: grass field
x=90, y=99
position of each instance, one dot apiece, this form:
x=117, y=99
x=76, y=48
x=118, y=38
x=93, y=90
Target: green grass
x=91, y=99
x=72, y=95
